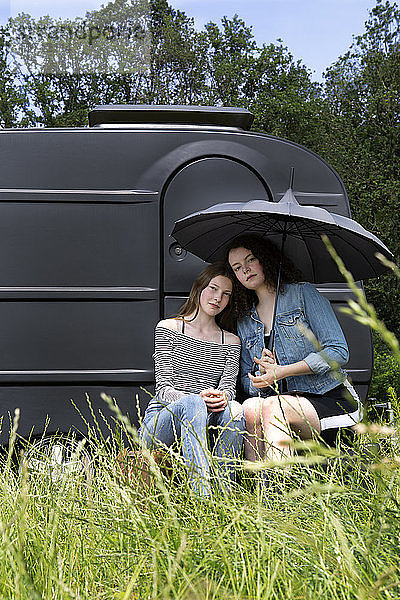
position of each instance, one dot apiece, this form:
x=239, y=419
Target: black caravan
x=87, y=264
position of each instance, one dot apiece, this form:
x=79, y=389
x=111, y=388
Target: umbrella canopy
x=296, y=229
x=208, y=233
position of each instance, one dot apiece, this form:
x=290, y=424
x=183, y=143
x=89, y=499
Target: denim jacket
x=298, y=303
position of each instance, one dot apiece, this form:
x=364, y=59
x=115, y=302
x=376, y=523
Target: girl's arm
x=217, y=399
x=227, y=382
x=273, y=372
x=326, y=329
x=164, y=345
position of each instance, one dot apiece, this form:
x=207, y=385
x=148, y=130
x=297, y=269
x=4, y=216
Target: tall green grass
x=327, y=528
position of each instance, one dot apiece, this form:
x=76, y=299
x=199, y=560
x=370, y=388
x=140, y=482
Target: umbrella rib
x=224, y=225
x=309, y=254
x=235, y=219
x=217, y=248
x=244, y=222
x=251, y=220
x=358, y=251
x=200, y=235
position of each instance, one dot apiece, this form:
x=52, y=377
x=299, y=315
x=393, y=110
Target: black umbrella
x=208, y=233
x=295, y=228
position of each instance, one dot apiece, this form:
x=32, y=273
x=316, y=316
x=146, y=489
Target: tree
x=178, y=67
x=267, y=80
x=14, y=106
x=231, y=57
x=363, y=88
x=68, y=66
x=220, y=65
x=286, y=102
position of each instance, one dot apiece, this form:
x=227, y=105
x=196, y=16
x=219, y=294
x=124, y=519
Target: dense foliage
x=352, y=119
x=386, y=377
x=363, y=88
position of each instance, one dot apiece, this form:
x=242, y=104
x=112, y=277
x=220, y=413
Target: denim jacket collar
x=254, y=314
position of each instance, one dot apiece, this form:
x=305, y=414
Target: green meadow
x=327, y=527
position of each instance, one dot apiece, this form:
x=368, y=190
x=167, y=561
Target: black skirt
x=336, y=409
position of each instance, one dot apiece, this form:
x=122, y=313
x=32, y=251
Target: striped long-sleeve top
x=186, y=365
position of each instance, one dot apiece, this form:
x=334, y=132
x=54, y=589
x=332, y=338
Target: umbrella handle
x=278, y=285
x=271, y=341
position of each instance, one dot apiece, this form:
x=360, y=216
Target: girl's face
x=247, y=268
x=215, y=297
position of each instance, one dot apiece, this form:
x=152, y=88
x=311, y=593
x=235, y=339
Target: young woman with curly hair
x=301, y=386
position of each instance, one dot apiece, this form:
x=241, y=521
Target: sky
x=315, y=31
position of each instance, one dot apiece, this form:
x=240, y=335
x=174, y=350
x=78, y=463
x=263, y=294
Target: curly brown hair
x=225, y=319
x=269, y=257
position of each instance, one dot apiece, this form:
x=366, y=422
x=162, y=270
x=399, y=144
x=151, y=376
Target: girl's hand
x=215, y=400
x=267, y=359
x=274, y=372
x=270, y=375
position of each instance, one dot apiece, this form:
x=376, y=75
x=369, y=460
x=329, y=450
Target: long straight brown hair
x=192, y=304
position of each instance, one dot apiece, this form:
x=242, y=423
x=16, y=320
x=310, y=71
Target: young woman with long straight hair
x=301, y=387
x=196, y=367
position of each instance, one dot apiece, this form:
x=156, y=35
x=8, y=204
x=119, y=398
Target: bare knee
x=301, y=415
x=254, y=409
x=265, y=412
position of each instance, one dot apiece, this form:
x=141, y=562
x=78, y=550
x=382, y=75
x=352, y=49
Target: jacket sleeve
x=227, y=382
x=332, y=346
x=246, y=365
x=164, y=347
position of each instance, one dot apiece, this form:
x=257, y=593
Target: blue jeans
x=187, y=422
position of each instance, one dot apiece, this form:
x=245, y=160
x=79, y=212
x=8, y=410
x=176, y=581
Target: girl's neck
x=265, y=306
x=202, y=322
x=265, y=295
x=203, y=327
